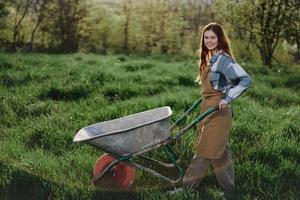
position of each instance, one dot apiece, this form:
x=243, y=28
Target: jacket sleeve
x=235, y=74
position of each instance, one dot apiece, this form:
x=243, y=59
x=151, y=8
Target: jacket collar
x=214, y=58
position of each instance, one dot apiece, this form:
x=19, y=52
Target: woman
x=222, y=80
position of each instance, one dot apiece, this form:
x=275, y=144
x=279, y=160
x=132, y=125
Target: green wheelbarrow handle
x=185, y=114
x=195, y=122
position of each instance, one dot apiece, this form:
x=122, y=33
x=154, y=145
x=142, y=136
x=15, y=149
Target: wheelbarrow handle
x=186, y=113
x=195, y=122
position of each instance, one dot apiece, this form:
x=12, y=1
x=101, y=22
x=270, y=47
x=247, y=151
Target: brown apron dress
x=212, y=138
x=213, y=131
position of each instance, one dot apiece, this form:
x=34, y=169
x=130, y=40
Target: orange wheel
x=121, y=174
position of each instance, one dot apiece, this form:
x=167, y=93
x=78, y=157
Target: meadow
x=47, y=98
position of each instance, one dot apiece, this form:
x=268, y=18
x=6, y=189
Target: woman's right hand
x=223, y=104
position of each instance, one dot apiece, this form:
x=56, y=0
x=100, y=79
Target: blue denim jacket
x=228, y=77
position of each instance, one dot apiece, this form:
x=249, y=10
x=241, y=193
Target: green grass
x=46, y=99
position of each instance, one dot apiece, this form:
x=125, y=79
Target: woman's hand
x=223, y=104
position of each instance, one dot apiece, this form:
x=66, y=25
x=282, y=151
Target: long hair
x=204, y=53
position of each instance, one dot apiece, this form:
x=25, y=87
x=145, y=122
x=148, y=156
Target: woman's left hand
x=223, y=104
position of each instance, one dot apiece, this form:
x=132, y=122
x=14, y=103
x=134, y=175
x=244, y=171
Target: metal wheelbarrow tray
x=132, y=136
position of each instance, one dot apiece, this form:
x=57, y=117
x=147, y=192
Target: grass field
x=46, y=99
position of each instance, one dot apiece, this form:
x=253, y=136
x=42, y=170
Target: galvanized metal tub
x=130, y=134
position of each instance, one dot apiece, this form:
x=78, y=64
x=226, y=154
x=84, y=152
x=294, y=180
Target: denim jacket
x=228, y=77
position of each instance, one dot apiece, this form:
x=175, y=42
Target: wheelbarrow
x=132, y=136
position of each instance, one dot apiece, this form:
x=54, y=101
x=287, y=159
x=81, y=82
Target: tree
x=3, y=16
x=39, y=8
x=3, y=13
x=21, y=8
x=292, y=31
x=264, y=20
x=195, y=13
x=126, y=8
x=65, y=23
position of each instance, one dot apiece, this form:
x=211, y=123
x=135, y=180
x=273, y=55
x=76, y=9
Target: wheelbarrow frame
x=173, y=158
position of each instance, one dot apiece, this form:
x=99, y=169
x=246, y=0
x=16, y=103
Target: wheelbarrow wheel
x=121, y=174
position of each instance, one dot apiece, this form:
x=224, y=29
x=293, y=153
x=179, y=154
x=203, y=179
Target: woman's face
x=210, y=40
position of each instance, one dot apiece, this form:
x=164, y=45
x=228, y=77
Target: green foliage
x=46, y=99
x=3, y=14
x=141, y=27
x=150, y=27
x=262, y=23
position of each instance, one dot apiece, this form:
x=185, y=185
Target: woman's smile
x=210, y=40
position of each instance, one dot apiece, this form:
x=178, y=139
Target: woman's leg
x=223, y=169
x=195, y=172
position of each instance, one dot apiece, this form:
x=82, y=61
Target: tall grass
x=46, y=99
